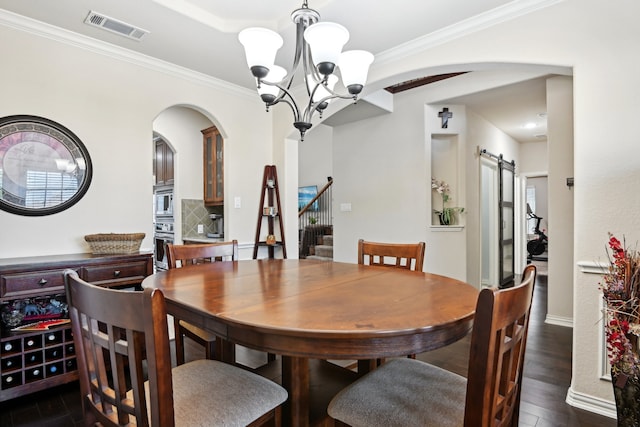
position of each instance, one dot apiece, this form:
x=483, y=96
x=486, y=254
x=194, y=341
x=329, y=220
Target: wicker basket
x=114, y=243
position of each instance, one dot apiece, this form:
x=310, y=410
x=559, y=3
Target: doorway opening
x=537, y=218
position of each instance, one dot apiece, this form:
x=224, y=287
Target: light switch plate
x=237, y=202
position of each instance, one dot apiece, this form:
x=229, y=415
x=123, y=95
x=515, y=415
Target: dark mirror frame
x=38, y=141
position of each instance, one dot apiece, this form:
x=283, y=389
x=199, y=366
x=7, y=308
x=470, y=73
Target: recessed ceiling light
x=530, y=125
x=540, y=135
x=542, y=115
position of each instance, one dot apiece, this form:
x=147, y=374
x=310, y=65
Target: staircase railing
x=315, y=220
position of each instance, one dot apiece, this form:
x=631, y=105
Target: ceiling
x=518, y=109
x=201, y=35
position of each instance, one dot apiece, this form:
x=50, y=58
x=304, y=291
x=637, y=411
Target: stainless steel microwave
x=164, y=203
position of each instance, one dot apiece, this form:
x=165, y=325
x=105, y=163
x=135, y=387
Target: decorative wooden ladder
x=270, y=211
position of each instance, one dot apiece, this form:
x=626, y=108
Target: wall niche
x=445, y=211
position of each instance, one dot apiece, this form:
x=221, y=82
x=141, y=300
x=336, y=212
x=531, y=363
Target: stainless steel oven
x=163, y=235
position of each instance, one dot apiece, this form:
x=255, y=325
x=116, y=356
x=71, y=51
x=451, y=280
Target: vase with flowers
x=621, y=294
x=448, y=215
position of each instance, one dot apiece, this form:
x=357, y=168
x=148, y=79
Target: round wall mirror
x=44, y=167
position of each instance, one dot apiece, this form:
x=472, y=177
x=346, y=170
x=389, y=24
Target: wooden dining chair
x=409, y=256
x=183, y=255
x=400, y=255
x=124, y=362
x=186, y=255
x=407, y=392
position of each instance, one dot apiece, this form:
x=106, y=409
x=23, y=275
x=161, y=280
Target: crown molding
x=488, y=19
x=469, y=26
x=51, y=32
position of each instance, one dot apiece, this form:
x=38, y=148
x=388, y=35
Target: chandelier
x=319, y=48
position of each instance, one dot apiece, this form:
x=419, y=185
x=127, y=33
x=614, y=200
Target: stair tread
x=319, y=258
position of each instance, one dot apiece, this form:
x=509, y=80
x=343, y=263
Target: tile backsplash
x=194, y=212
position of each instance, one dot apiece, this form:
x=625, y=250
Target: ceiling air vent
x=96, y=19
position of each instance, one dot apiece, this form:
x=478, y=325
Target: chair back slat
x=496, y=358
x=114, y=332
x=409, y=256
x=182, y=255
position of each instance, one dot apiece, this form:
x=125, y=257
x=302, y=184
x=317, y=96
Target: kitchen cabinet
x=33, y=361
x=213, y=173
x=163, y=164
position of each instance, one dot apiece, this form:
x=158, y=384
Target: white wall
x=561, y=203
x=533, y=157
x=379, y=169
x=111, y=105
x=315, y=155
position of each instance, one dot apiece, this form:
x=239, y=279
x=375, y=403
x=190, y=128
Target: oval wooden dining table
x=304, y=309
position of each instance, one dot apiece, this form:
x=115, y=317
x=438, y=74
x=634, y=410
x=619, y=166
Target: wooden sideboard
x=32, y=361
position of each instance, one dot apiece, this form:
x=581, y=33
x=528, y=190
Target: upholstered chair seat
x=405, y=393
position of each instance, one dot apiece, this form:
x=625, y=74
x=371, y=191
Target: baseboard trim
x=559, y=321
x=591, y=403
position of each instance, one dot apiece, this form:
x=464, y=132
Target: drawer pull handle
x=116, y=273
x=42, y=282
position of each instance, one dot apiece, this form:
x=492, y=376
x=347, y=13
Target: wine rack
x=31, y=357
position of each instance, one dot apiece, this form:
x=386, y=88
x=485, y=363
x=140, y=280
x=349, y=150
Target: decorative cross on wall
x=445, y=115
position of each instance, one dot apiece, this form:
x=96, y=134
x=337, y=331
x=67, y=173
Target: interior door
x=489, y=222
x=506, y=244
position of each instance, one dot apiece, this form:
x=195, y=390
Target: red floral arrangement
x=621, y=293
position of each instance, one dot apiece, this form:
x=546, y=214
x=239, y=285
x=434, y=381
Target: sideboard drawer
x=20, y=285
x=115, y=274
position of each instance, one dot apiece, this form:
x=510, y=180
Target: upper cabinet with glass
x=213, y=167
x=44, y=167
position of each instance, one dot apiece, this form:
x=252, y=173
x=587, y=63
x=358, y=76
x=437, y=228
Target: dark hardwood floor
x=547, y=377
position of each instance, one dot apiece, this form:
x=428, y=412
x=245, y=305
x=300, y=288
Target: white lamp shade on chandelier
x=354, y=68
x=260, y=46
x=319, y=50
x=326, y=40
